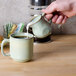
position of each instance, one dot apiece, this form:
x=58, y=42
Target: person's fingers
x=51, y=8
x=64, y=20
x=60, y=19
x=48, y=16
x=54, y=18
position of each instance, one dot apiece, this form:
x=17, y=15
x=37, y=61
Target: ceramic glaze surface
x=21, y=50
x=41, y=28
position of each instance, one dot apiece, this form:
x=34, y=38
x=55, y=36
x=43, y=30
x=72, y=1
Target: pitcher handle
x=43, y=14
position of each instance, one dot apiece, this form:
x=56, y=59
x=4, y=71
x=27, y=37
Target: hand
x=63, y=8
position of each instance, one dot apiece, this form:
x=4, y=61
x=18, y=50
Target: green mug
x=21, y=47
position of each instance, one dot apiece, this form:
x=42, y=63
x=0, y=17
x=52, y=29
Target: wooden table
x=56, y=58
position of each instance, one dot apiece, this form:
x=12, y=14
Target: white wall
x=17, y=11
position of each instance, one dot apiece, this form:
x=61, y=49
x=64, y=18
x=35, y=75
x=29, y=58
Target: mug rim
x=22, y=34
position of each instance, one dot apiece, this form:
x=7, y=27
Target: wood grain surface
x=56, y=58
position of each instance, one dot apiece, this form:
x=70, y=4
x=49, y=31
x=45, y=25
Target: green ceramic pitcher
x=41, y=28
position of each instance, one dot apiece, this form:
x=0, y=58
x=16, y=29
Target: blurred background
x=18, y=11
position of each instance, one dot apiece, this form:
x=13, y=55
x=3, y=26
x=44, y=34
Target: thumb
x=51, y=8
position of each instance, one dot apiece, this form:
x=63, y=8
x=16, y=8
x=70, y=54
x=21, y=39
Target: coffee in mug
x=21, y=37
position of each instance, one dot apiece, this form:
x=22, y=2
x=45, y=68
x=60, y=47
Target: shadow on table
x=54, y=50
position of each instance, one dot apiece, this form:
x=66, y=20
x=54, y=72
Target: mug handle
x=2, y=44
